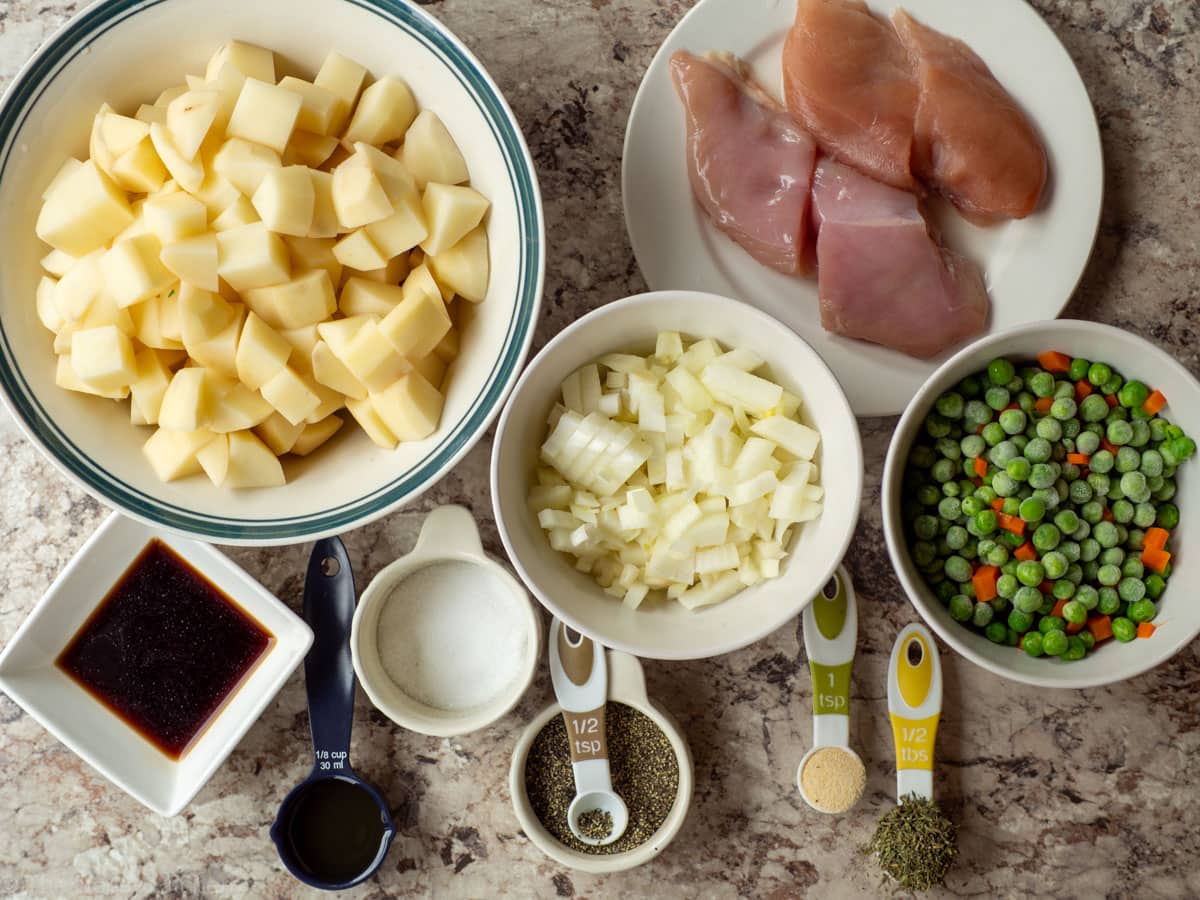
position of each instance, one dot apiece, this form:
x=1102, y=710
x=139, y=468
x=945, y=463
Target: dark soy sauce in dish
x=335, y=830
x=165, y=649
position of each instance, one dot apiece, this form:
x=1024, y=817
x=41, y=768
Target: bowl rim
x=643, y=648
x=24, y=92
x=918, y=594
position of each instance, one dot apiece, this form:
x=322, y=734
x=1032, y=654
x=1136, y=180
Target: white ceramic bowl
x=125, y=52
x=669, y=631
x=29, y=675
x=1133, y=357
x=449, y=535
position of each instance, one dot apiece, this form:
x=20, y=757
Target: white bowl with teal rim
x=125, y=52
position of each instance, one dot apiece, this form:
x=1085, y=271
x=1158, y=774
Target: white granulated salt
x=451, y=635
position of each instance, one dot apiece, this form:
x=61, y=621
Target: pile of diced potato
x=246, y=257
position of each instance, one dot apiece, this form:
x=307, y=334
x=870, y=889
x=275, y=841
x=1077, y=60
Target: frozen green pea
x=1123, y=629
x=943, y=470
x=1003, y=453
x=1007, y=586
x=1090, y=569
x=936, y=426
x=1117, y=414
x=1088, y=639
x=1113, y=385
x=1020, y=622
x=1099, y=483
x=1047, y=623
x=958, y=569
x=1109, y=602
x=1054, y=643
x=996, y=632
x=1041, y=475
x=1119, y=432
x=1144, y=515
x=1135, y=542
x=1063, y=589
x=1012, y=421
x=1106, y=534
x=1087, y=442
x=1134, y=487
x=969, y=386
x=1055, y=564
x=1076, y=649
x=1127, y=460
x=1074, y=574
x=1071, y=429
x=972, y=446
x=971, y=505
x=1000, y=371
x=1011, y=507
x=1132, y=590
x=1087, y=597
x=986, y=521
x=950, y=405
x=957, y=537
x=1018, y=468
x=1031, y=572
x=1032, y=510
x=1158, y=429
x=1019, y=441
x=923, y=553
x=1070, y=550
x=948, y=447
x=1092, y=512
x=1046, y=537
x=1063, y=409
x=981, y=615
x=1113, y=556
x=1080, y=492
x=945, y=589
x=997, y=397
x=1027, y=402
x=1155, y=585
x=997, y=556
x=992, y=434
x=1070, y=472
x=985, y=494
x=1083, y=532
x=1133, y=394
x=1093, y=408
x=1039, y=450
x=928, y=495
x=1074, y=612
x=925, y=527
x=1133, y=567
x=1168, y=516
x=1109, y=576
x=1166, y=492
x=1066, y=520
x=961, y=608
x=1032, y=644
x=1151, y=463
x=1004, y=485
x=976, y=413
x=1041, y=384
x=1064, y=389
x=1102, y=462
x=1141, y=432
x=1079, y=369
x=1122, y=511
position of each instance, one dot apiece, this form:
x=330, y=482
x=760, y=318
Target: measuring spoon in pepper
x=579, y=673
x=334, y=829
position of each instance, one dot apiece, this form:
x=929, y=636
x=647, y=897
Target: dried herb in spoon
x=915, y=843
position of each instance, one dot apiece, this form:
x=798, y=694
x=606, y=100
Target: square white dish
x=28, y=673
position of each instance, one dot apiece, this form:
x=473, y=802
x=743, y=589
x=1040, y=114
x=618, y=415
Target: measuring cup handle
x=914, y=706
x=449, y=528
x=577, y=670
x=328, y=670
x=830, y=636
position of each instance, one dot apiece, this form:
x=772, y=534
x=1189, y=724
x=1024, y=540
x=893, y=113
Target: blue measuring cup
x=333, y=829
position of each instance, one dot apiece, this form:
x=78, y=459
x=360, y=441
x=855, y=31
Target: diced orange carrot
x=1046, y=587
x=1107, y=515
x=998, y=505
x=984, y=581
x=1100, y=627
x=1058, y=608
x=1154, y=403
x=1053, y=361
x=1075, y=627
x=1111, y=400
x=1109, y=446
x=1043, y=404
x=1156, y=538
x=1014, y=524
x=1025, y=551
x=1156, y=559
x=1079, y=459
x=980, y=466
x=1083, y=388
x=1145, y=629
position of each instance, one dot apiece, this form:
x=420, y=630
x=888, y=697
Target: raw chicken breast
x=750, y=165
x=881, y=276
x=848, y=80
x=973, y=143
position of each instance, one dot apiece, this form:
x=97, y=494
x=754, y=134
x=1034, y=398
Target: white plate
x=1031, y=265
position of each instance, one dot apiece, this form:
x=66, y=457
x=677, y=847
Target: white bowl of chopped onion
x=676, y=475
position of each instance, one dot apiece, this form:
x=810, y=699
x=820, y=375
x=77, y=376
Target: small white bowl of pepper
x=651, y=767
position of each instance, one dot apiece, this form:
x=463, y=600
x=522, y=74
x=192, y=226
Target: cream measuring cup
x=579, y=673
x=914, y=706
x=830, y=636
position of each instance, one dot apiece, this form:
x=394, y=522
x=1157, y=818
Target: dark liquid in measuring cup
x=335, y=830
x=165, y=649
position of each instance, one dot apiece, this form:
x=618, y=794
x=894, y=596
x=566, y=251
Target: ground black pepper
x=596, y=824
x=645, y=772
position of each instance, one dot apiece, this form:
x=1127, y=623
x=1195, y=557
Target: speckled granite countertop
x=1065, y=794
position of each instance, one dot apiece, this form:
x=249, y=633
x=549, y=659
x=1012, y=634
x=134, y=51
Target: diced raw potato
x=156, y=321
x=133, y=271
x=83, y=212
x=139, y=169
x=315, y=435
x=172, y=454
x=450, y=212
x=368, y=419
x=244, y=164
x=307, y=149
x=342, y=77
x=314, y=253
x=70, y=165
x=465, y=267
x=279, y=434
x=214, y=459
x=251, y=463
x=169, y=94
x=371, y=358
x=431, y=368
x=449, y=347
x=238, y=409
x=410, y=407
x=189, y=402
x=285, y=199
x=264, y=113
x=319, y=107
x=337, y=333
x=47, y=311
x=247, y=60
x=103, y=357
x=65, y=378
x=219, y=352
x=188, y=173
x=149, y=385
x=302, y=341
x=358, y=251
x=383, y=114
x=174, y=216
x=430, y=153
x=733, y=386
x=79, y=287
x=239, y=212
x=794, y=437
x=332, y=373
x=324, y=217
x=290, y=395
x=404, y=228
x=57, y=263
x=418, y=324
x=305, y=300
x=261, y=352
x=112, y=135
x=190, y=117
x=202, y=314
x=669, y=346
x=251, y=256
x=358, y=196
x=151, y=114
x=362, y=296
x=194, y=260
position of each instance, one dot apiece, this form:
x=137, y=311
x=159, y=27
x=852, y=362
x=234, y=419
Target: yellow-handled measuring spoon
x=914, y=706
x=837, y=775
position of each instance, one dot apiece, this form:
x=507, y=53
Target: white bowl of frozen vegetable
x=676, y=475
x=1035, y=499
